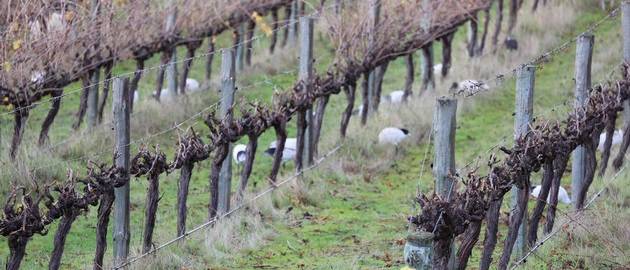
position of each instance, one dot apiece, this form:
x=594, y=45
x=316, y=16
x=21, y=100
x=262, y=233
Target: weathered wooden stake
x=305, y=76
x=583, y=60
x=92, y=100
x=292, y=37
x=625, y=24
x=171, y=69
x=121, y=202
x=240, y=48
x=516, y=242
x=444, y=126
x=228, y=86
x=375, y=14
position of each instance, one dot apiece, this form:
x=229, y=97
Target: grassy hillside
x=350, y=212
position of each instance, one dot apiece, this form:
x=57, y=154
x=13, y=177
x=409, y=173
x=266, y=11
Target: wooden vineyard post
x=305, y=118
x=292, y=38
x=171, y=69
x=583, y=60
x=428, y=81
x=375, y=14
x=228, y=81
x=516, y=241
x=625, y=23
x=92, y=100
x=121, y=160
x=444, y=125
x=240, y=48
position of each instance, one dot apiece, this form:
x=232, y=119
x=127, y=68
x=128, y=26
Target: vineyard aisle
x=359, y=222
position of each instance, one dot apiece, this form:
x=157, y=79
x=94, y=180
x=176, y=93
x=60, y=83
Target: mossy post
x=228, y=86
x=121, y=160
x=305, y=118
x=428, y=80
x=292, y=29
x=444, y=125
x=625, y=23
x=583, y=60
x=375, y=14
x=92, y=99
x=171, y=69
x=516, y=240
x=240, y=48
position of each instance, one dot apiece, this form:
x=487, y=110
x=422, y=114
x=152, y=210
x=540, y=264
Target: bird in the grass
x=392, y=135
x=192, y=85
x=563, y=195
x=395, y=97
x=469, y=87
x=358, y=110
x=437, y=69
x=290, y=149
x=511, y=43
x=165, y=94
x=239, y=153
x=136, y=96
x=616, y=139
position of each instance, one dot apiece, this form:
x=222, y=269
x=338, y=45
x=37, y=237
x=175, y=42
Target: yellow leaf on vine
x=69, y=16
x=120, y=2
x=17, y=44
x=264, y=26
x=6, y=66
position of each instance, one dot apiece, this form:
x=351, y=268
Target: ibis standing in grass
x=392, y=136
x=290, y=146
x=563, y=195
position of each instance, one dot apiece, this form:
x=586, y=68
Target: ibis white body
x=395, y=97
x=290, y=149
x=37, y=76
x=563, y=196
x=437, y=69
x=165, y=94
x=358, y=110
x=616, y=139
x=192, y=85
x=470, y=86
x=239, y=153
x=392, y=135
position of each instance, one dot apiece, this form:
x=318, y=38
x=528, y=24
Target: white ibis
x=392, y=135
x=616, y=139
x=563, y=196
x=290, y=148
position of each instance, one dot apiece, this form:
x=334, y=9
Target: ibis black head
x=406, y=131
x=511, y=43
x=271, y=151
x=454, y=86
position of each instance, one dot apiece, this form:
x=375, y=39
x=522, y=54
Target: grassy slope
x=361, y=224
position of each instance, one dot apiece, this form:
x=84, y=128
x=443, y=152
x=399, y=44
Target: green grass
x=358, y=219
